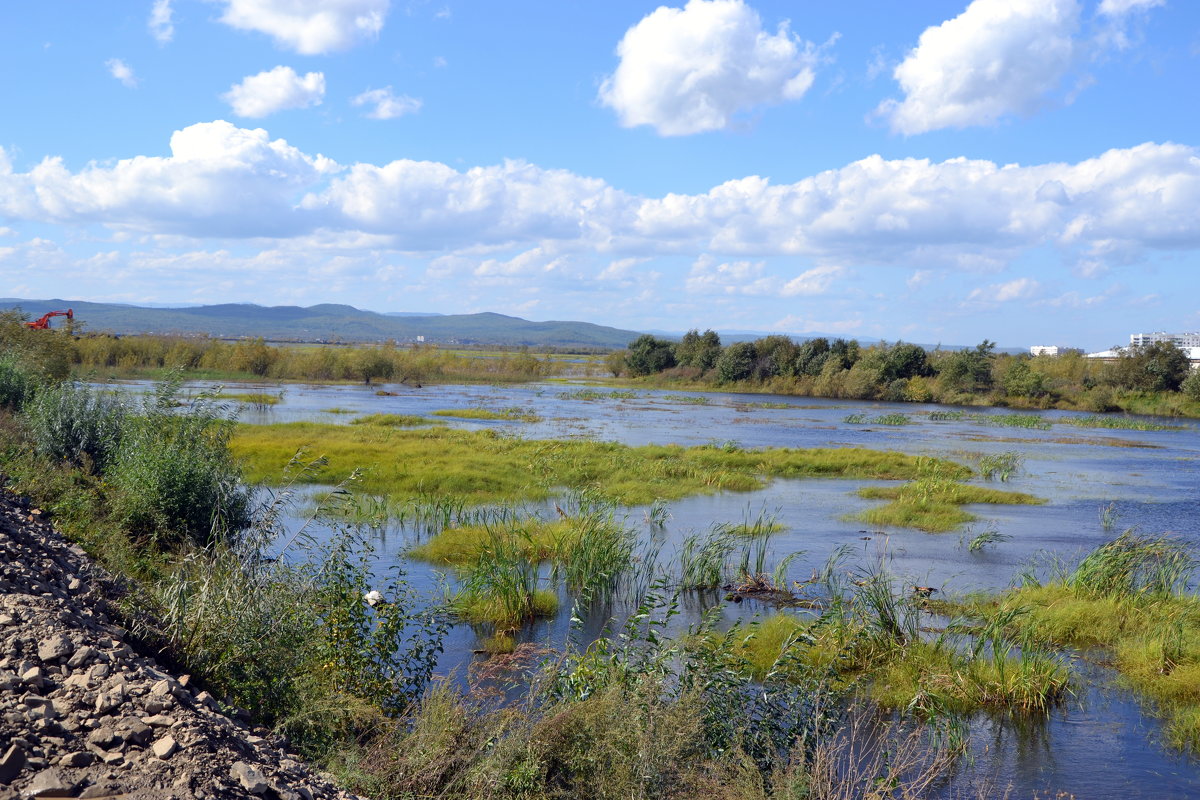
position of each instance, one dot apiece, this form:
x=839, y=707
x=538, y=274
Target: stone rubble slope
x=83, y=714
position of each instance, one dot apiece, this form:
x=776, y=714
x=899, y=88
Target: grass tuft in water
x=513, y=414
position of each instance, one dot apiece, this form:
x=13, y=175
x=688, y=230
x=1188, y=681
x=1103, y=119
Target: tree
x=1021, y=380
x=373, y=362
x=904, y=361
x=648, y=355
x=774, y=354
x=698, y=350
x=1157, y=367
x=809, y=358
x=736, y=362
x=969, y=370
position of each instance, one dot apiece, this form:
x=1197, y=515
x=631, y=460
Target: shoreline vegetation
x=1147, y=380
x=860, y=685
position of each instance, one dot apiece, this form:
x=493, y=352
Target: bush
x=176, y=477
x=736, y=362
x=1191, y=385
x=75, y=423
x=16, y=385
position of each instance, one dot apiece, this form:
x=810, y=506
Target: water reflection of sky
x=1099, y=746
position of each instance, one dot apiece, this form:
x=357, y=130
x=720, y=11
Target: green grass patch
x=510, y=414
x=250, y=398
x=933, y=504
x=1129, y=596
x=337, y=410
x=693, y=400
x=883, y=419
x=483, y=466
x=593, y=394
x=1118, y=423
x=392, y=420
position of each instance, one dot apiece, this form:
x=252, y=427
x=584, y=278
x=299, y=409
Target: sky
x=1025, y=171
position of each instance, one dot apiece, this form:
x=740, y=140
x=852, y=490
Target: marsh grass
x=1118, y=423
x=337, y=410
x=513, y=414
x=257, y=400
x=687, y=399
x=391, y=420
x=479, y=467
x=1001, y=466
x=1133, y=596
x=594, y=394
x=883, y=419
x=933, y=502
x=761, y=525
x=869, y=633
x=979, y=541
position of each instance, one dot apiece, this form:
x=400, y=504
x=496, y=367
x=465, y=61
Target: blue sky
x=1026, y=171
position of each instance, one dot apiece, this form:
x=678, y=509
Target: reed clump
x=1133, y=596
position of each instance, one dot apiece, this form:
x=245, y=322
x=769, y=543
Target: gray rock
x=50, y=783
x=165, y=747
x=77, y=759
x=55, y=647
x=251, y=779
x=82, y=656
x=11, y=763
x=105, y=738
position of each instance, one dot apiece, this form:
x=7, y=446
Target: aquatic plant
x=390, y=420
x=1109, y=515
x=514, y=414
x=593, y=394
x=478, y=467
x=1001, y=465
x=933, y=501
x=1118, y=423
x=695, y=400
x=981, y=540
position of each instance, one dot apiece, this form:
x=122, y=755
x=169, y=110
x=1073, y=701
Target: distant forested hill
x=328, y=322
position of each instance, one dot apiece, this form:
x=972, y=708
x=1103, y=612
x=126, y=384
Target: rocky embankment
x=84, y=714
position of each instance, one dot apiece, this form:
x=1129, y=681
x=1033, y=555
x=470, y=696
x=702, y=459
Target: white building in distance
x=1183, y=340
x=1044, y=350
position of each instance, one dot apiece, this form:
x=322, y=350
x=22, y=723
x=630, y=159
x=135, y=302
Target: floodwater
x=1101, y=744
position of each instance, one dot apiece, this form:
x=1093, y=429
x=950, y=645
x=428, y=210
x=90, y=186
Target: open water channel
x=1101, y=744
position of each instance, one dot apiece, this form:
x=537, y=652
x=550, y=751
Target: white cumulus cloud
x=691, y=69
x=997, y=58
x=274, y=90
x=160, y=24
x=963, y=215
x=122, y=72
x=310, y=27
x=386, y=105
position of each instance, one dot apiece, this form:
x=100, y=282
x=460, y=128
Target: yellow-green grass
x=392, y=420
x=1155, y=641
x=338, y=410
x=488, y=609
x=250, y=398
x=755, y=529
x=535, y=539
x=510, y=414
x=930, y=676
x=483, y=466
x=934, y=506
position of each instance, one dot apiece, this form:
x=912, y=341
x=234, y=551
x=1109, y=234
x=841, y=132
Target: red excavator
x=44, y=323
